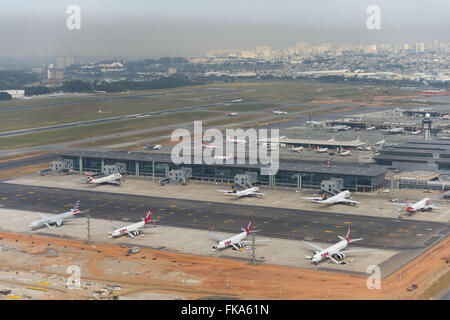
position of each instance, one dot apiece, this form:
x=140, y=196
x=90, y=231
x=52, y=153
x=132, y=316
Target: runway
x=396, y=234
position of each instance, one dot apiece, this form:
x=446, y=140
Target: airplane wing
x=130, y=234
x=256, y=241
x=234, y=246
x=228, y=192
x=116, y=225
x=356, y=250
x=433, y=207
x=333, y=259
x=43, y=216
x=117, y=181
x=217, y=237
x=258, y=194
x=314, y=246
x=348, y=201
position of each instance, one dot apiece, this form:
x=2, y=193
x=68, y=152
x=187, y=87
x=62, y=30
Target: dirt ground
x=155, y=274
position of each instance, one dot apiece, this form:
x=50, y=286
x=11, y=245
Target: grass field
x=82, y=132
x=273, y=91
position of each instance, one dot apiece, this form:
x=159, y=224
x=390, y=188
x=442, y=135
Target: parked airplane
x=341, y=197
x=446, y=117
x=298, y=149
x=232, y=114
x=278, y=111
x=133, y=229
x=398, y=130
x=334, y=253
x=250, y=192
x=339, y=127
x=57, y=220
x=421, y=205
x=345, y=153
x=229, y=140
x=236, y=242
x=371, y=128
x=224, y=157
x=237, y=100
x=155, y=147
x=209, y=145
x=357, y=140
x=381, y=142
x=415, y=132
x=115, y=178
x=322, y=150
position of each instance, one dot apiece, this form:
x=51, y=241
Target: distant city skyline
x=149, y=29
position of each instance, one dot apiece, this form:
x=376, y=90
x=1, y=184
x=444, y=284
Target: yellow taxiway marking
x=40, y=289
x=328, y=231
x=173, y=206
x=30, y=192
x=229, y=221
x=347, y=222
x=13, y=297
x=158, y=217
x=43, y=283
x=18, y=195
x=338, y=227
x=4, y=198
x=295, y=230
x=161, y=209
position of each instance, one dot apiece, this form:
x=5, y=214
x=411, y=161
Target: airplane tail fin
x=76, y=207
x=229, y=155
x=89, y=180
x=147, y=217
x=347, y=236
x=249, y=226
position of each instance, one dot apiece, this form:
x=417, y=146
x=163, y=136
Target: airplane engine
x=339, y=256
x=59, y=223
x=239, y=246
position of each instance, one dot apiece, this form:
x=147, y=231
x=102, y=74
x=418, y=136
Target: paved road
x=279, y=223
x=110, y=98
x=26, y=161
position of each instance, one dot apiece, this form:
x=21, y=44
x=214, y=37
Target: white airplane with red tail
x=335, y=252
x=115, y=178
x=133, y=229
x=236, y=242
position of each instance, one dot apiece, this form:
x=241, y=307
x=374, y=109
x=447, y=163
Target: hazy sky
x=152, y=28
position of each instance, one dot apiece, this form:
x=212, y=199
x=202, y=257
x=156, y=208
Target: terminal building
x=292, y=173
x=423, y=155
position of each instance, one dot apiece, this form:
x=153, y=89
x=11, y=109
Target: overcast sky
x=152, y=28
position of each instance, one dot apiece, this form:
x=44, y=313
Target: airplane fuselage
x=133, y=228
x=330, y=251
x=55, y=220
x=234, y=240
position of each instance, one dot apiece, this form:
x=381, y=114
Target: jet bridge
x=177, y=176
x=246, y=180
x=332, y=186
